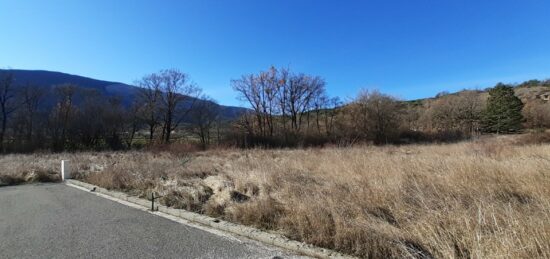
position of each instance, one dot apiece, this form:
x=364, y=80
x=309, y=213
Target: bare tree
x=250, y=91
x=458, y=112
x=245, y=127
x=537, y=114
x=7, y=104
x=178, y=98
x=470, y=107
x=300, y=93
x=277, y=95
x=268, y=83
x=114, y=121
x=320, y=105
x=203, y=117
x=150, y=98
x=411, y=116
x=62, y=114
x=32, y=98
x=132, y=123
x=377, y=116
x=441, y=114
x=333, y=104
x=282, y=95
x=87, y=128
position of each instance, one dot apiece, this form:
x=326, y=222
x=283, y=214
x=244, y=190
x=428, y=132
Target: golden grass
x=487, y=199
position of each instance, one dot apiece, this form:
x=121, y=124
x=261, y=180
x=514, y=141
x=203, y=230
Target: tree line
x=82, y=118
x=293, y=109
x=287, y=109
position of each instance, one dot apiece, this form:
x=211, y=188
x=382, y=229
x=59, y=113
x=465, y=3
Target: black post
x=152, y=201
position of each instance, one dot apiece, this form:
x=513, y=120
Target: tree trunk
x=3, y=131
x=151, y=132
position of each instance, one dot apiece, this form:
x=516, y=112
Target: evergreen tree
x=503, y=111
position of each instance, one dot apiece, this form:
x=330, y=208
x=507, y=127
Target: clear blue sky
x=410, y=49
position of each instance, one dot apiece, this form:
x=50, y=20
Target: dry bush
x=44, y=176
x=20, y=169
x=263, y=213
x=487, y=198
x=7, y=180
x=533, y=138
x=112, y=179
x=39, y=176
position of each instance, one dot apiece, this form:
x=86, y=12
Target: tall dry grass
x=463, y=200
x=487, y=199
x=20, y=169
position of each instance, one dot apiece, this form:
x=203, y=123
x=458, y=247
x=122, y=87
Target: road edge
x=217, y=224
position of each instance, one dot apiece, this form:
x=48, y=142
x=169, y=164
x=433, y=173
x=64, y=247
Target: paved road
x=58, y=221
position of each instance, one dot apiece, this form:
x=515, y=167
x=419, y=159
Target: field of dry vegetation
x=480, y=199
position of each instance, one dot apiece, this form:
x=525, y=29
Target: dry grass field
x=480, y=199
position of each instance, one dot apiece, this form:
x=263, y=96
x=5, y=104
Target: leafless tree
x=412, y=116
x=7, y=103
x=537, y=114
x=320, y=105
x=377, y=116
x=268, y=83
x=300, y=93
x=282, y=95
x=87, y=128
x=250, y=91
x=244, y=128
x=114, y=120
x=203, y=116
x=460, y=112
x=330, y=112
x=150, y=98
x=62, y=114
x=32, y=98
x=133, y=123
x=178, y=98
x=470, y=107
x=279, y=96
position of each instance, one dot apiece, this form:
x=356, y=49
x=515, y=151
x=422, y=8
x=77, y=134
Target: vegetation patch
x=32, y=176
x=483, y=198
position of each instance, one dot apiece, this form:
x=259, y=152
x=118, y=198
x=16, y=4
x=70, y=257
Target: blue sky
x=410, y=49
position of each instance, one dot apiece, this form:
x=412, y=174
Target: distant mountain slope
x=49, y=79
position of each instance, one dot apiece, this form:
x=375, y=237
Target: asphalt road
x=58, y=221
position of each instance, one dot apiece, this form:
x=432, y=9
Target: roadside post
x=153, y=198
x=65, y=170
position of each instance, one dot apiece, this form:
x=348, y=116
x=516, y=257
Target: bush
x=451, y=136
x=534, y=138
x=37, y=175
x=7, y=180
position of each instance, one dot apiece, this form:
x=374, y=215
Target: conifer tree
x=503, y=111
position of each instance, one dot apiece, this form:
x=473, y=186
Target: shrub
x=534, y=138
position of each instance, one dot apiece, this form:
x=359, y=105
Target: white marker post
x=65, y=170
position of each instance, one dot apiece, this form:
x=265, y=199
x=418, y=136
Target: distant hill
x=127, y=93
x=529, y=91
